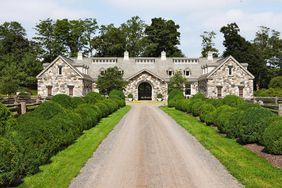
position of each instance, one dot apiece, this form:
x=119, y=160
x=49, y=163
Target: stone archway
x=144, y=91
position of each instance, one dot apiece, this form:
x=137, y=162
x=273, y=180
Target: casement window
x=70, y=90
x=60, y=70
x=49, y=91
x=241, y=91
x=219, y=91
x=188, y=89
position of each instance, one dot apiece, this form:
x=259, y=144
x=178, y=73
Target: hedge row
x=248, y=123
x=32, y=139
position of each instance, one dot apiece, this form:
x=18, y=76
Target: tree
x=110, y=42
x=111, y=79
x=177, y=81
x=162, y=35
x=134, y=31
x=208, y=44
x=244, y=52
x=9, y=83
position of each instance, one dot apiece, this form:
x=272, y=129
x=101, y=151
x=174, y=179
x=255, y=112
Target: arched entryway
x=144, y=91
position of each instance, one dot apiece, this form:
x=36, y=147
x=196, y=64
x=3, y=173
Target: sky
x=193, y=16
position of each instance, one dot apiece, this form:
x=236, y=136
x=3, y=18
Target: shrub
x=9, y=162
x=182, y=105
x=76, y=101
x=64, y=100
x=221, y=117
x=276, y=82
x=232, y=100
x=205, y=112
x=272, y=137
x=215, y=102
x=159, y=95
x=49, y=109
x=252, y=124
x=6, y=119
x=116, y=93
x=89, y=115
x=190, y=104
x=93, y=98
x=271, y=92
x=130, y=95
x=199, y=95
x=174, y=96
x=196, y=107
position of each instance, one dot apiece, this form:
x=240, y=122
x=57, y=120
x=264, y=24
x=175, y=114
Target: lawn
x=250, y=169
x=67, y=163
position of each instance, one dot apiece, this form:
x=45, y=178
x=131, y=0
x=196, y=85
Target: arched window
x=187, y=72
x=121, y=71
x=170, y=72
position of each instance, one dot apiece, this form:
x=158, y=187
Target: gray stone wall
x=61, y=82
x=230, y=83
x=158, y=86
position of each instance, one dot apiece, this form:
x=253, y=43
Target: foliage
x=162, y=35
x=276, y=82
x=159, y=95
x=232, y=100
x=208, y=44
x=221, y=118
x=199, y=95
x=251, y=124
x=116, y=93
x=64, y=100
x=205, y=113
x=6, y=119
x=177, y=81
x=93, y=97
x=271, y=92
x=196, y=107
x=174, y=96
x=242, y=163
x=110, y=80
x=272, y=137
x=130, y=95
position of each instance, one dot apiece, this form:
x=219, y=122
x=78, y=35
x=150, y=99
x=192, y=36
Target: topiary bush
x=174, y=96
x=93, y=98
x=215, y=102
x=9, y=162
x=64, y=100
x=272, y=137
x=49, y=109
x=196, y=107
x=205, y=113
x=6, y=119
x=116, y=93
x=199, y=95
x=252, y=123
x=232, y=100
x=76, y=101
x=221, y=117
x=89, y=115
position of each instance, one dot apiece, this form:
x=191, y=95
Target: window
x=60, y=70
x=170, y=72
x=241, y=91
x=70, y=90
x=188, y=89
x=219, y=91
x=102, y=71
x=49, y=91
x=229, y=70
x=186, y=73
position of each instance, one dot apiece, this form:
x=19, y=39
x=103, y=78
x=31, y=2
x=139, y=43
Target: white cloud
x=171, y=5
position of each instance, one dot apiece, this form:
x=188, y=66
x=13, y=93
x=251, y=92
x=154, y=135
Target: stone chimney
x=126, y=56
x=210, y=56
x=163, y=55
x=79, y=56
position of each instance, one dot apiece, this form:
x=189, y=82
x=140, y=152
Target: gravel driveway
x=148, y=149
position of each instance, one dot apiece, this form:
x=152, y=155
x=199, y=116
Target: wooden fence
x=273, y=103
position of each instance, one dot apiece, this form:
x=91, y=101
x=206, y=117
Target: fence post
x=280, y=109
x=23, y=107
x=276, y=100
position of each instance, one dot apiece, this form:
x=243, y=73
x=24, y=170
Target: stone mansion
x=147, y=76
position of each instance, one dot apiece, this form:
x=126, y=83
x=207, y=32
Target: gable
x=231, y=61
x=59, y=61
x=144, y=71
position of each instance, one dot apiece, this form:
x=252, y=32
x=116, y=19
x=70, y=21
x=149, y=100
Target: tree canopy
x=208, y=44
x=177, y=82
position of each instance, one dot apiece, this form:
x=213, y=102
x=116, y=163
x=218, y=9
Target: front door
x=145, y=91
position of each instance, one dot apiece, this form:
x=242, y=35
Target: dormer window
x=102, y=71
x=170, y=72
x=60, y=70
x=230, y=70
x=186, y=73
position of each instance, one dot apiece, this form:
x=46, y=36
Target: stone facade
x=215, y=77
x=158, y=86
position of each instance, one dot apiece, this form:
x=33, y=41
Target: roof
x=144, y=70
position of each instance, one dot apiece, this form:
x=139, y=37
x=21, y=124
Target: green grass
x=250, y=169
x=67, y=163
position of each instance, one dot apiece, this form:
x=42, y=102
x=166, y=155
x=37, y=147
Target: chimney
x=210, y=56
x=163, y=55
x=126, y=56
x=79, y=56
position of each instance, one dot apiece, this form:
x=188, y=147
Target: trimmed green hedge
x=246, y=122
x=36, y=136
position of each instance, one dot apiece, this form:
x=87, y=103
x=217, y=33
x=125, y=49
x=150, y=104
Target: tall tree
x=177, y=81
x=208, y=44
x=244, y=52
x=162, y=35
x=110, y=42
x=134, y=31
